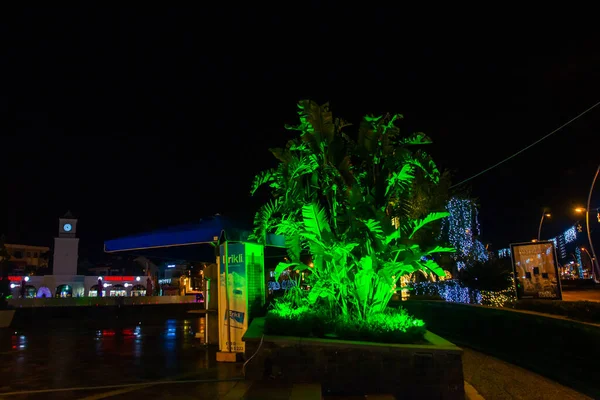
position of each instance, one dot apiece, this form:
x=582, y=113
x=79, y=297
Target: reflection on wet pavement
x=69, y=357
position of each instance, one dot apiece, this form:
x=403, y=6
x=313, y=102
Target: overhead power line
x=526, y=148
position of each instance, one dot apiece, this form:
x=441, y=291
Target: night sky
x=139, y=119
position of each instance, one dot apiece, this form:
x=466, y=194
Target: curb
x=471, y=393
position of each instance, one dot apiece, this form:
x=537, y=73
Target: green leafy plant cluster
x=391, y=326
x=341, y=204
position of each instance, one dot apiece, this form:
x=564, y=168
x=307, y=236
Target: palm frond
x=424, y=161
x=264, y=219
x=262, y=178
x=315, y=221
x=416, y=138
x=400, y=179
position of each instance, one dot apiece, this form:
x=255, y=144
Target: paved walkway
x=581, y=295
x=493, y=379
x=497, y=380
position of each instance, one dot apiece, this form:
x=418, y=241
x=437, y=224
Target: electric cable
x=526, y=148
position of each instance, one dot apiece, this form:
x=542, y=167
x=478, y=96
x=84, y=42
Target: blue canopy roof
x=204, y=232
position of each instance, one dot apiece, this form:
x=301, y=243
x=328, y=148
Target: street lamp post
x=544, y=215
x=587, y=220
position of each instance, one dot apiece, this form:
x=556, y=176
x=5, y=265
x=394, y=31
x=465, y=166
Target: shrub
x=492, y=276
x=390, y=326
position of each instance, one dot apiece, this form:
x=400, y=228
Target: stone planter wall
x=563, y=350
x=6, y=317
x=425, y=371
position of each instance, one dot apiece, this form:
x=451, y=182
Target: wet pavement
x=167, y=360
x=54, y=363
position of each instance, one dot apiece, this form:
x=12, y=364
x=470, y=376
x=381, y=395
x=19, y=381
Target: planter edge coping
x=513, y=310
x=436, y=343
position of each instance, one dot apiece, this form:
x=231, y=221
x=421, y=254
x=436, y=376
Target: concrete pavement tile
x=496, y=379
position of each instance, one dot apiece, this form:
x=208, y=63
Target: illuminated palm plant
x=344, y=203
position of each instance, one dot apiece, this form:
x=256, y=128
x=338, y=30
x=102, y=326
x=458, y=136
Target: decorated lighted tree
x=461, y=229
x=341, y=202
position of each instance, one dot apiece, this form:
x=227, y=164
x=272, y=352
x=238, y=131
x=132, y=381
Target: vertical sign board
x=245, y=284
x=233, y=325
x=536, y=270
x=255, y=278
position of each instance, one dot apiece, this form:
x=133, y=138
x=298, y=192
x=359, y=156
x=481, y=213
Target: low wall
x=424, y=371
x=98, y=315
x=6, y=317
x=99, y=301
x=563, y=350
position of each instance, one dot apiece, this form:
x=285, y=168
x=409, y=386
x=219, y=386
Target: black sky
x=135, y=118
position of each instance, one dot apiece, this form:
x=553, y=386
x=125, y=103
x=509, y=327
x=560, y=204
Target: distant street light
x=544, y=215
x=587, y=222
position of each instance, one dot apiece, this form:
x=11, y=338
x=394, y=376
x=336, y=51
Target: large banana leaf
x=424, y=161
x=315, y=120
x=302, y=166
x=264, y=219
x=282, y=155
x=440, y=249
x=261, y=179
x=398, y=268
x=289, y=228
x=433, y=267
x=428, y=219
x=401, y=179
x=319, y=290
x=363, y=283
x=315, y=222
x=416, y=139
x=374, y=227
x=394, y=235
x=282, y=266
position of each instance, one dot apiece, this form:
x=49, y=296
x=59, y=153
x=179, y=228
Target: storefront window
x=138, y=290
x=30, y=291
x=64, y=291
x=94, y=291
x=118, y=291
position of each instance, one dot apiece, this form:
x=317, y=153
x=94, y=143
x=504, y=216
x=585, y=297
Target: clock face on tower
x=67, y=227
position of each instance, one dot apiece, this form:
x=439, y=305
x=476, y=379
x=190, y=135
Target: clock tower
x=66, y=246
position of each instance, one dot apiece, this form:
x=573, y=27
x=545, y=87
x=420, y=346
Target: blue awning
x=204, y=232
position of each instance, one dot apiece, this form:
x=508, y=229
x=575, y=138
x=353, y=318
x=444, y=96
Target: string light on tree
x=455, y=292
x=461, y=229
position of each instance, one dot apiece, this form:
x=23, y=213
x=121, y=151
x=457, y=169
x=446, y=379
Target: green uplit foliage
x=342, y=202
x=391, y=326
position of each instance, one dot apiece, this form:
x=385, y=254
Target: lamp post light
x=544, y=215
x=587, y=220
